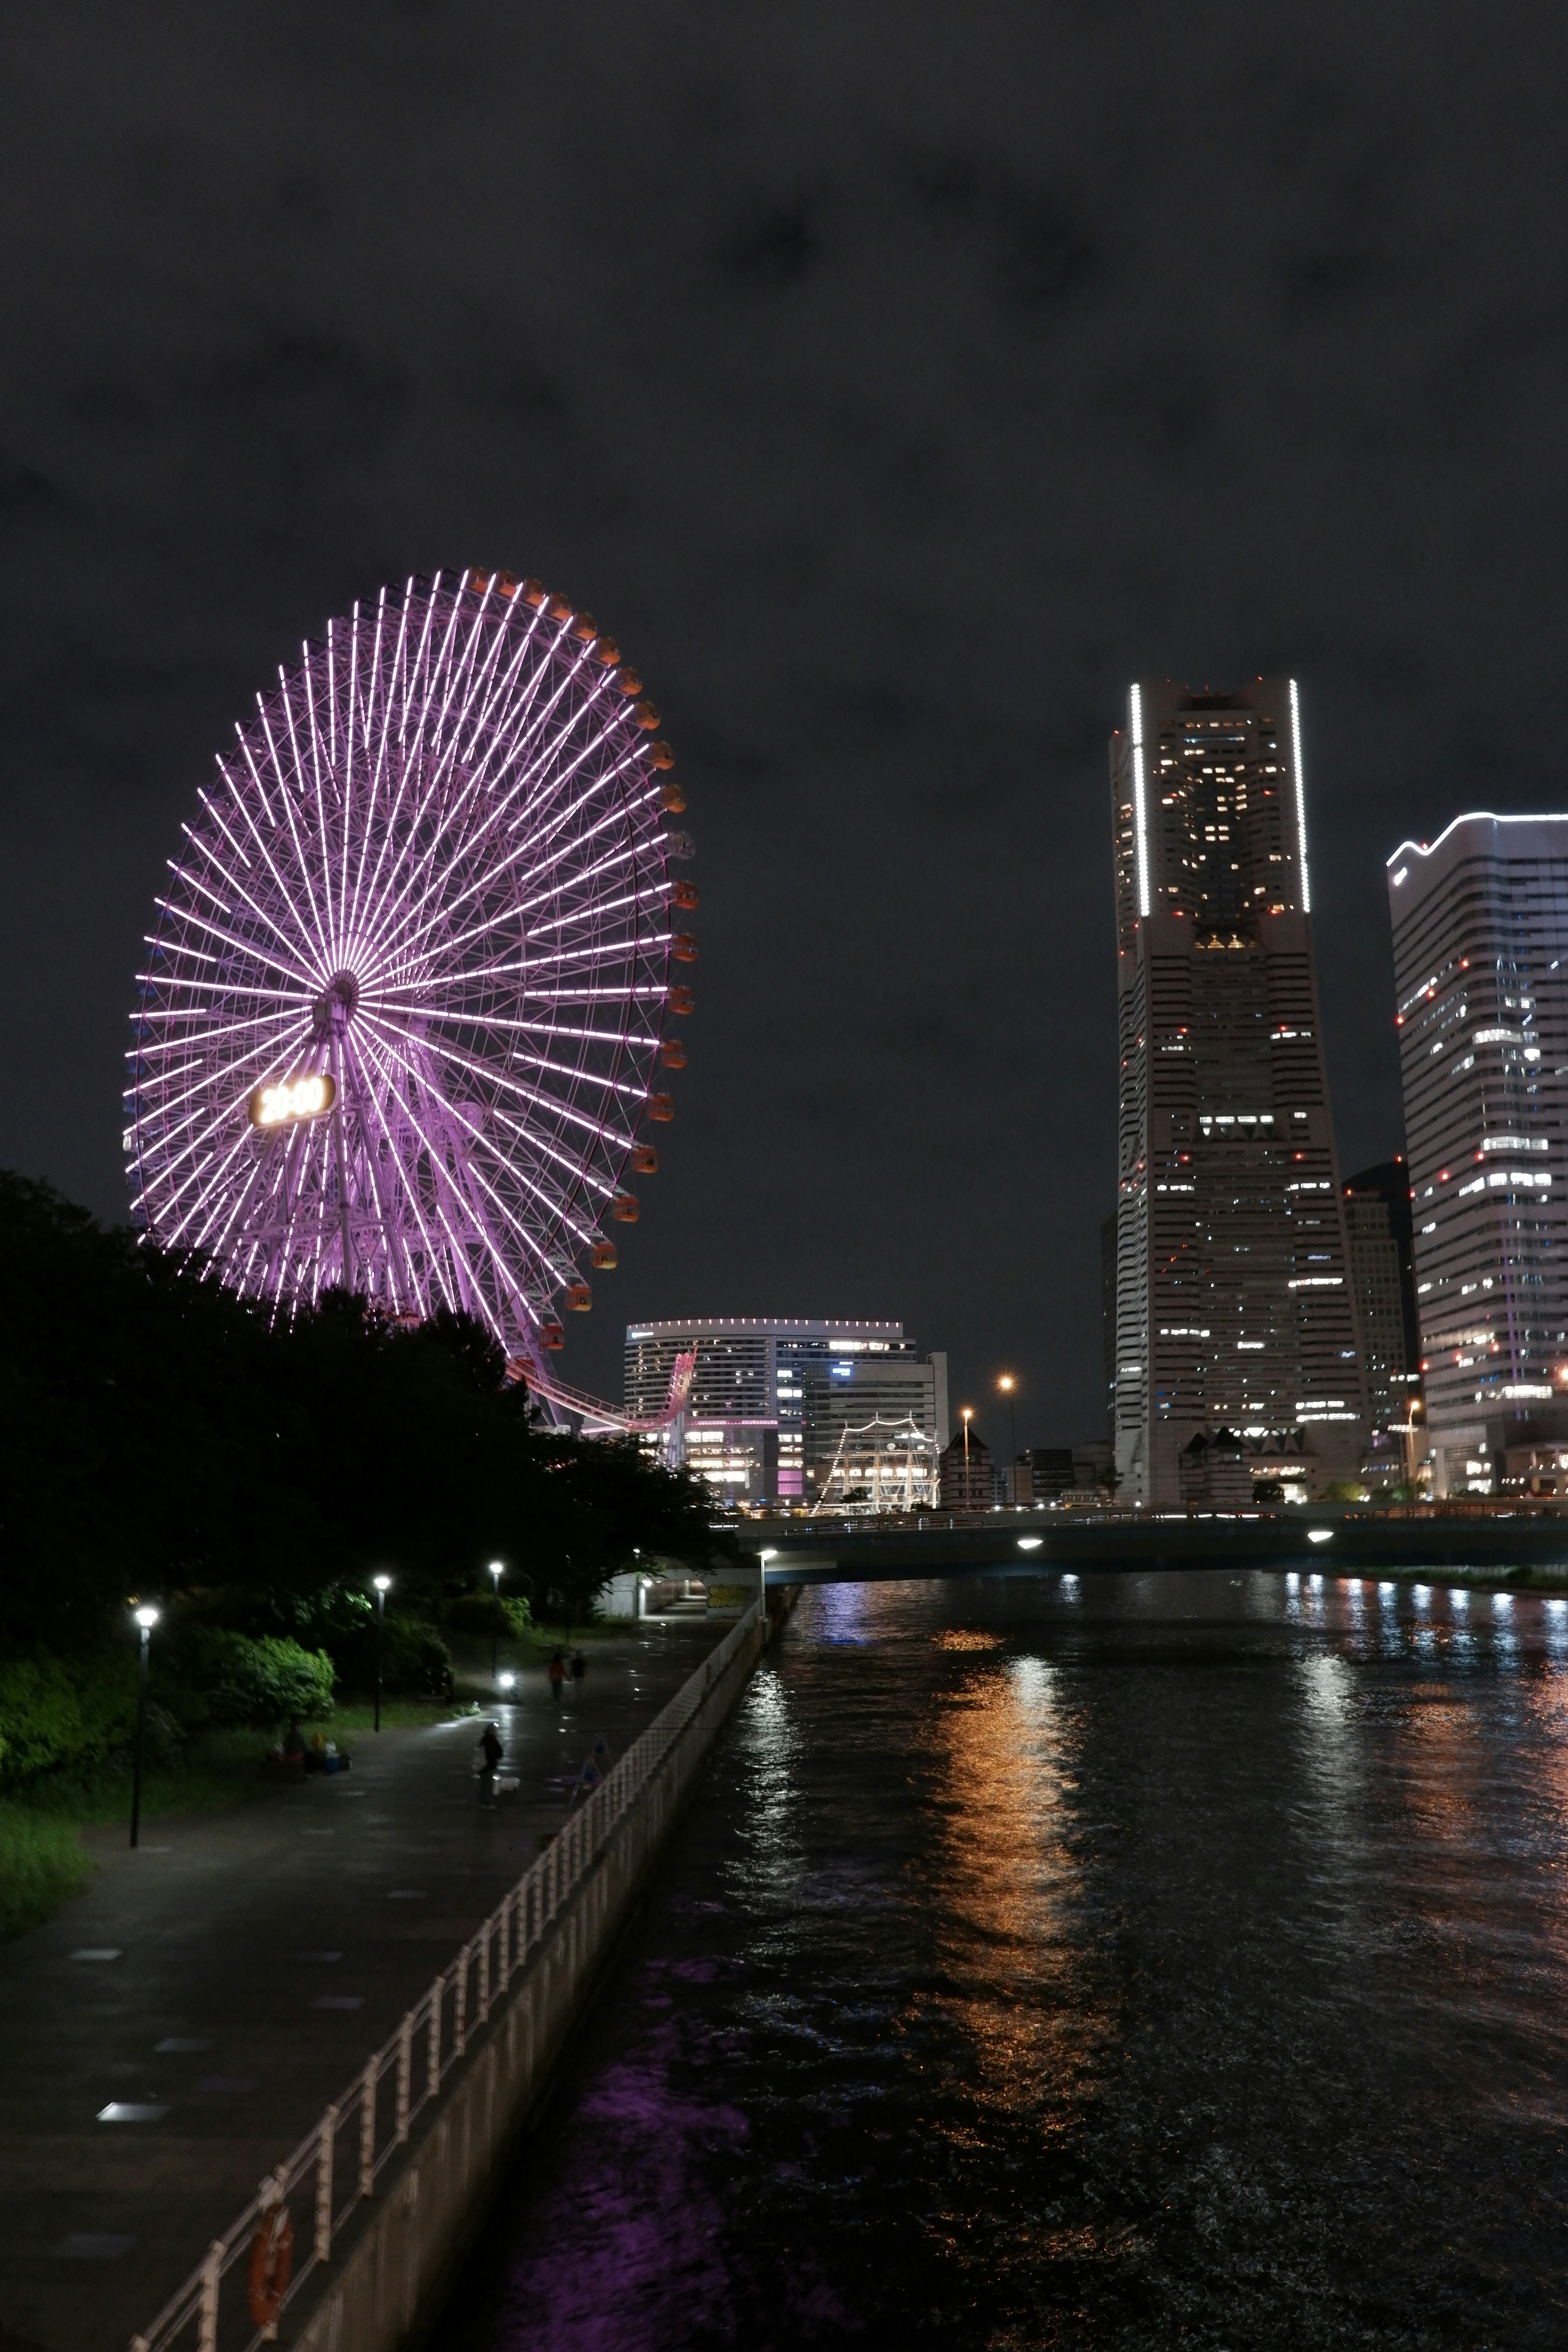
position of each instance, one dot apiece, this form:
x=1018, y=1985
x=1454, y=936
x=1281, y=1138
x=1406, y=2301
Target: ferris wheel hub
x=334, y=1007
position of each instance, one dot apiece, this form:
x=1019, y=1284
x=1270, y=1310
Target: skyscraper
x=1233, y=1309
x=1481, y=937
x=1374, y=1272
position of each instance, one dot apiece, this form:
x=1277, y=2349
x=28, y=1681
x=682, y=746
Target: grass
x=42, y=1861
x=42, y=1866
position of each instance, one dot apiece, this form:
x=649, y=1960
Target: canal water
x=1113, y=1961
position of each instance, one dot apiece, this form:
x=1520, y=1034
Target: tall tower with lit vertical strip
x=1233, y=1311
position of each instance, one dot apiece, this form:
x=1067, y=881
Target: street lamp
x=1009, y=1388
x=495, y=1571
x=146, y=1618
x=763, y=1559
x=383, y=1586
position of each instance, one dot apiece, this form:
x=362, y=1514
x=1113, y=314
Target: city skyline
x=893, y=438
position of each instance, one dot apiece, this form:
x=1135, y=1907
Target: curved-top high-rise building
x=1233, y=1311
x=1480, y=948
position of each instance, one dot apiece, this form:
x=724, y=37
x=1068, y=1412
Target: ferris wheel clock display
x=405, y=1007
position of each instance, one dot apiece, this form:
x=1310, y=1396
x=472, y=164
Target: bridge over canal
x=1345, y=1541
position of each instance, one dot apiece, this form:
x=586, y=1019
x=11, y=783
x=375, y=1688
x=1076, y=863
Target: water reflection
x=1155, y=1960
x=1001, y=1875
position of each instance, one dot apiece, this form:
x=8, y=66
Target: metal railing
x=340, y=2159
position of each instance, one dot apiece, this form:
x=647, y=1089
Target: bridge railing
x=314, y=2192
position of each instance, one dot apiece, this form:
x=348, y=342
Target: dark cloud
x=895, y=384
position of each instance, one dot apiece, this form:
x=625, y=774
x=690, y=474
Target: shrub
x=483, y=1612
x=53, y=1711
x=415, y=1658
x=244, y=1678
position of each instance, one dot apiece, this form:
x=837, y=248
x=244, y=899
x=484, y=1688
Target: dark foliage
x=159, y=1437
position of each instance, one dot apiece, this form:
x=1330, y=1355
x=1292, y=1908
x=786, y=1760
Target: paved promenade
x=220, y=1985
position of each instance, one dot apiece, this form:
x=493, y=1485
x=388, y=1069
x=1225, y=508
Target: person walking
x=491, y=1752
x=579, y=1666
x=557, y=1674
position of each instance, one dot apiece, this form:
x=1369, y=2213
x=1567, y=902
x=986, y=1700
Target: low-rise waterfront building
x=771, y=1397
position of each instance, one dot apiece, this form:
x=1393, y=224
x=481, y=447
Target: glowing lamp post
x=146, y=1618
x=1009, y=1388
x=383, y=1586
x=496, y=1572
x=763, y=1560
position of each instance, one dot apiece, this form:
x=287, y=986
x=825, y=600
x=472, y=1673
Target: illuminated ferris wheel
x=406, y=1004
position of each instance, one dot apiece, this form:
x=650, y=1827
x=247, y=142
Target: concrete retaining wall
x=385, y=2289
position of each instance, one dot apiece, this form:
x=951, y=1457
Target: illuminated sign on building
x=292, y=1100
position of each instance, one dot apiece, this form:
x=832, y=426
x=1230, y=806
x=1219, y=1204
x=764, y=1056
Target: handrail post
x=212, y=2273
x=485, y=1933
x=404, y=2069
x=433, y=2055
x=367, y=2119
x=326, y=2148
x=461, y=2021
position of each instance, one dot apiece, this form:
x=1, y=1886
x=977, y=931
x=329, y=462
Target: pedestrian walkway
x=176, y=2030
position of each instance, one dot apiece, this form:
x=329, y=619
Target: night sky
x=894, y=383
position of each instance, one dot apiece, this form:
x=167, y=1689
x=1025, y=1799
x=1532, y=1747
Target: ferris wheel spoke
x=323, y=771
x=274, y=1151
x=169, y=1132
x=382, y=746
x=408, y=1184
x=331, y=942
x=545, y=824
x=575, y=1168
x=523, y=775
x=233, y=884
x=442, y=1177
x=625, y=852
x=286, y=791
x=491, y=1076
x=415, y=935
x=213, y=810
x=208, y=1176
x=448, y=824
x=395, y=1240
x=555, y=1207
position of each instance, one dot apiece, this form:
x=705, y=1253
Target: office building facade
x=965, y=1480
x=1377, y=1272
x=771, y=1397
x=1480, y=940
x=1234, y=1310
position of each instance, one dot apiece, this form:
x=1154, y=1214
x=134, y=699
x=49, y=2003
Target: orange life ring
x=271, y=2260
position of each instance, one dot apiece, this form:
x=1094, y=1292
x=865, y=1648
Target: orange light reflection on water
x=1016, y=1950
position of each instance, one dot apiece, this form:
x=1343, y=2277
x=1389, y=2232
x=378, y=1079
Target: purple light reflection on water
x=634, y=2198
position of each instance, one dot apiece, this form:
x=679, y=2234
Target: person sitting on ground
x=557, y=1673
x=294, y=1741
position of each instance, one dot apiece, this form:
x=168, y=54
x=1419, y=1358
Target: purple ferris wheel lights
x=406, y=995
